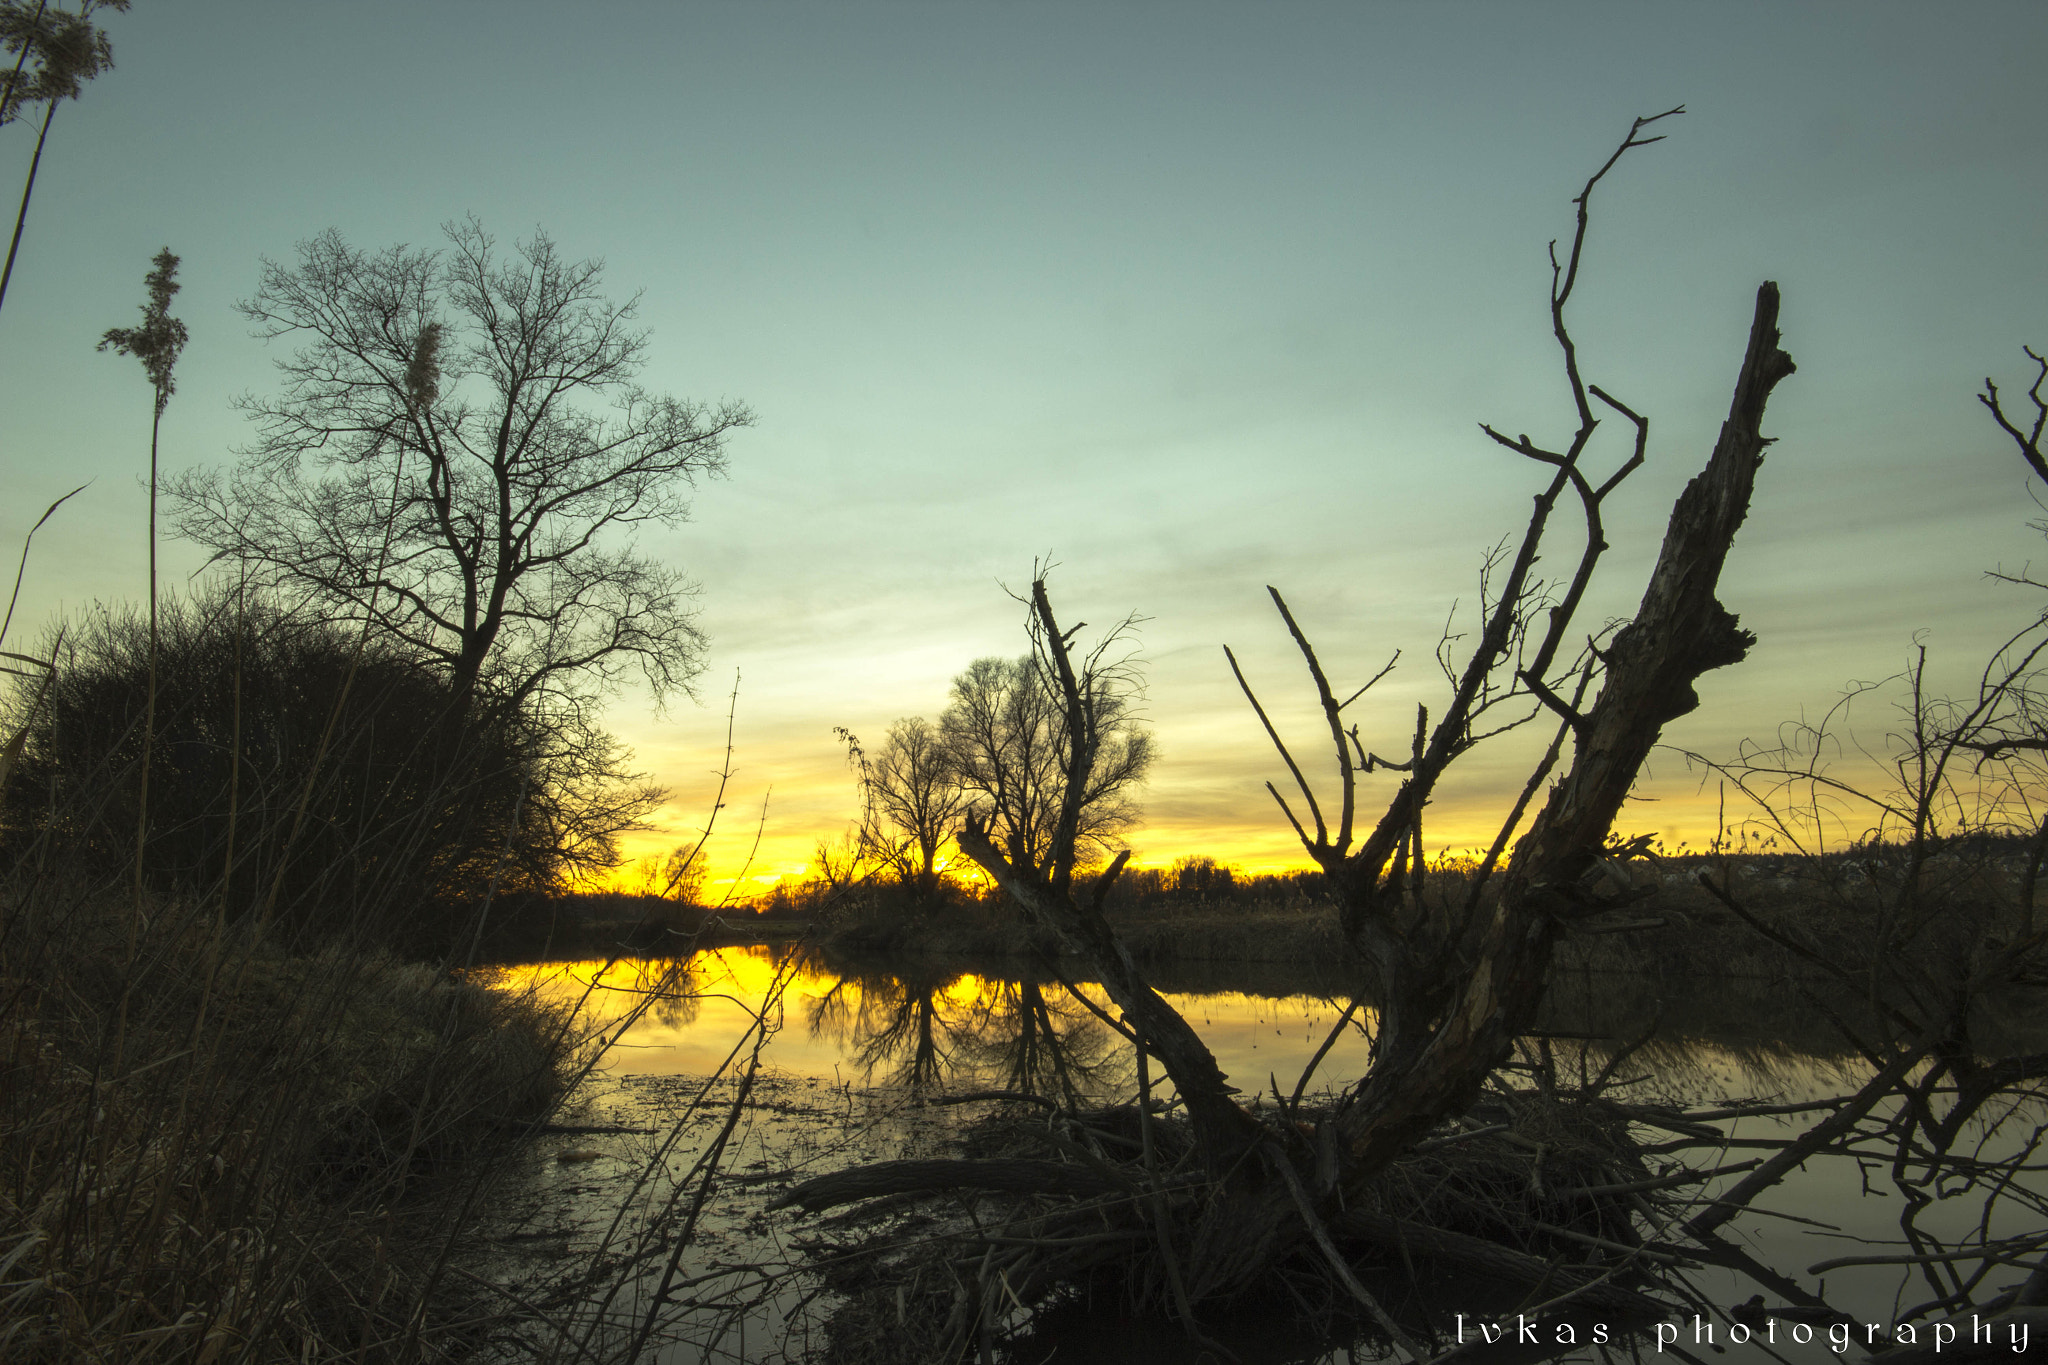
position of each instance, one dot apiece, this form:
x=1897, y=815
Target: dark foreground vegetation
x=251, y=1103
x=214, y=1147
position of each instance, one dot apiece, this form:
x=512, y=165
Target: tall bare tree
x=1013, y=744
x=1453, y=990
x=1454, y=979
x=913, y=789
x=460, y=457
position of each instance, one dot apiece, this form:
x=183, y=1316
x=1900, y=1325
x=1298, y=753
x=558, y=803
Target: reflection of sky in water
x=701, y=1007
x=697, y=1011
x=710, y=1003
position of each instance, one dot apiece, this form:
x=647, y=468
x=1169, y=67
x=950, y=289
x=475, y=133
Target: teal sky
x=1193, y=297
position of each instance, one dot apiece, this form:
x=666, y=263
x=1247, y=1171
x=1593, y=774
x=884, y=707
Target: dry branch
x=1000, y=1175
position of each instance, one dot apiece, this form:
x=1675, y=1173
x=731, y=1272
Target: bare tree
x=913, y=788
x=460, y=457
x=1455, y=989
x=1052, y=783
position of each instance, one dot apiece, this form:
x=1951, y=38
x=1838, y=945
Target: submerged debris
x=1534, y=1194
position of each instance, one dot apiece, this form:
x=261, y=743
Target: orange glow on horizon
x=1683, y=819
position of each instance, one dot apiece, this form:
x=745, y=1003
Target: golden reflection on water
x=920, y=1023
x=917, y=1023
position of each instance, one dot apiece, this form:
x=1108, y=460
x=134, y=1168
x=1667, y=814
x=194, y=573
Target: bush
x=329, y=769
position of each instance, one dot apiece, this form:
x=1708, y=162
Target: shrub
x=328, y=770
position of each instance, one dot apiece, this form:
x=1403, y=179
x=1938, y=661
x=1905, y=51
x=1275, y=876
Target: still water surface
x=857, y=1047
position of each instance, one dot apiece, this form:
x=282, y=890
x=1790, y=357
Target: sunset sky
x=1193, y=298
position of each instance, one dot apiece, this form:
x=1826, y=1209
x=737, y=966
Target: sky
x=1189, y=298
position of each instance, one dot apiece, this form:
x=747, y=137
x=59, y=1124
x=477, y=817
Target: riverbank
x=866, y=1043
x=1817, y=913
x=1697, y=937
x=212, y=1147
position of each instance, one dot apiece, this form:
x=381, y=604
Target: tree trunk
x=1445, y=1025
x=1680, y=631
x=1224, y=1131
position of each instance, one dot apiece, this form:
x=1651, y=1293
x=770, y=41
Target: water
x=855, y=1053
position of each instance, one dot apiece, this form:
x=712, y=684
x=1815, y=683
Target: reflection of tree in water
x=1035, y=1044
x=895, y=1025
x=1595, y=1176
x=915, y=1029
x=670, y=987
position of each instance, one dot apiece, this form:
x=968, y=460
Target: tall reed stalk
x=156, y=343
x=68, y=51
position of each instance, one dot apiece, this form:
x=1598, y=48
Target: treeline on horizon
x=1197, y=881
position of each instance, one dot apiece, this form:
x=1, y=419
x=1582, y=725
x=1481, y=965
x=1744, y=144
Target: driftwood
x=1438, y=1049
x=1002, y=1176
x=1549, y=1189
x=1451, y=996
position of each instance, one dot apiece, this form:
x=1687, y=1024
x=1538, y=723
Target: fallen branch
x=971, y=1096
x=1338, y=1265
x=1005, y=1176
x=1490, y=1258
x=1997, y=1251
x=1664, y=1182
x=1820, y=1135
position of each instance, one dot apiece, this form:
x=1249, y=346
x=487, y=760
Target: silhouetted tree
x=1052, y=784
x=1197, y=874
x=1455, y=985
x=460, y=457
x=1454, y=980
x=915, y=795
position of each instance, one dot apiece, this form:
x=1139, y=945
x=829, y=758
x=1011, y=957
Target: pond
x=839, y=1062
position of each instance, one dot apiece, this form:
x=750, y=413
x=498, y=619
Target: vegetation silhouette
x=67, y=50
x=233, y=1123
x=438, y=467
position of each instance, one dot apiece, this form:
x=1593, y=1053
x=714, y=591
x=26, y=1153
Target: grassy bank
x=211, y=1148
x=1831, y=910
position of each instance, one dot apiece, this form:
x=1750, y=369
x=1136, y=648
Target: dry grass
x=212, y=1150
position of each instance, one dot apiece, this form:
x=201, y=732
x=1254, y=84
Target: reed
x=225, y=1136
x=262, y=1167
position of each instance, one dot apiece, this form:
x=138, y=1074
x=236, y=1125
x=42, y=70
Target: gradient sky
x=1195, y=298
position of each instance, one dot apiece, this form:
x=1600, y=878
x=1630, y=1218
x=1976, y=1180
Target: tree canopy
x=459, y=455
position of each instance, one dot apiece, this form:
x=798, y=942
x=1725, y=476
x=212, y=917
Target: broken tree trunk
x=1680, y=632
x=1224, y=1131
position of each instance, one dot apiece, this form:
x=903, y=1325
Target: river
x=851, y=1060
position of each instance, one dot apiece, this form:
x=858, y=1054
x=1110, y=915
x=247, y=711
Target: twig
x=2017, y=1246
x=1668, y=1182
x=1321, y=1236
